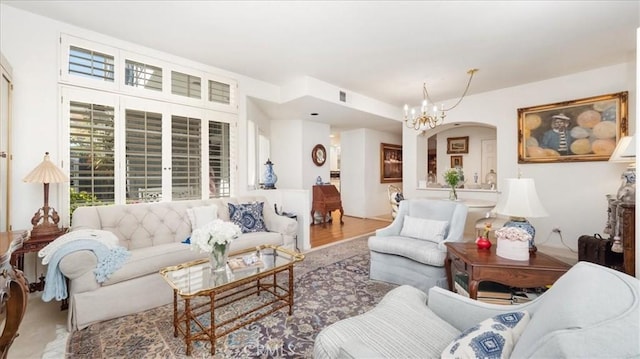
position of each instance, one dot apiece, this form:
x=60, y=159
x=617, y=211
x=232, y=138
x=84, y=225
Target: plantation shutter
x=186, y=159
x=88, y=63
x=185, y=85
x=219, y=92
x=142, y=75
x=143, y=156
x=91, y=153
x=219, y=160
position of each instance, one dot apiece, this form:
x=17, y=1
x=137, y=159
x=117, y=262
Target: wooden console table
x=326, y=198
x=484, y=265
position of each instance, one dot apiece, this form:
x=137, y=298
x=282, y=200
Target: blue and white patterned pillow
x=492, y=338
x=248, y=216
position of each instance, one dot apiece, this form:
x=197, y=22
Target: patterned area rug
x=331, y=284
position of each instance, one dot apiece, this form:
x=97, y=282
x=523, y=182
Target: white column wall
x=362, y=193
x=286, y=153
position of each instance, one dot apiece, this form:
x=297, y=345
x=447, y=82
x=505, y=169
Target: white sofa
x=590, y=312
x=153, y=234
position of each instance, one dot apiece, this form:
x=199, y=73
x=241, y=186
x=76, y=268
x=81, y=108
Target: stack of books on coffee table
x=488, y=292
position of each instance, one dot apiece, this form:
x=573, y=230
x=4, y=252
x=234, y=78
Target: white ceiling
x=381, y=49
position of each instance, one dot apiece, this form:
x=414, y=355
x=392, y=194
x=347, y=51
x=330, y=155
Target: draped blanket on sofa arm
x=109, y=260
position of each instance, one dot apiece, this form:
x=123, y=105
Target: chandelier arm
x=470, y=72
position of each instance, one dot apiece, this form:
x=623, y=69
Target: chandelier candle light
x=426, y=120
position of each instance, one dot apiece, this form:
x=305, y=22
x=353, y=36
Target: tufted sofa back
x=149, y=224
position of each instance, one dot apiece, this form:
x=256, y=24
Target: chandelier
x=424, y=119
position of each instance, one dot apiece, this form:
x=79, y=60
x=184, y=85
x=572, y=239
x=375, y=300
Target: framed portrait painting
x=456, y=161
x=586, y=129
x=390, y=163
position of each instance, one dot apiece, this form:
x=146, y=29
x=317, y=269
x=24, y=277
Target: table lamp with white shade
x=519, y=201
x=45, y=220
x=625, y=152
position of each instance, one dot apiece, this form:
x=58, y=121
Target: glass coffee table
x=195, y=280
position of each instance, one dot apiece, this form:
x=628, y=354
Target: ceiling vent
x=343, y=96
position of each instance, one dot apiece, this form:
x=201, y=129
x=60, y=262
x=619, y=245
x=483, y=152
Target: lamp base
x=49, y=224
x=522, y=223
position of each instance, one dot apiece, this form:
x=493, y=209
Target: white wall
x=362, y=193
x=572, y=193
x=314, y=133
x=472, y=161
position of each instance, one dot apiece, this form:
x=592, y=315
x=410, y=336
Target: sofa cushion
x=248, y=216
x=144, y=261
x=419, y=250
x=492, y=338
x=201, y=215
x=422, y=228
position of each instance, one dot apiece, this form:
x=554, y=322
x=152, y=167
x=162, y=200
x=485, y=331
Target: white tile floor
x=38, y=328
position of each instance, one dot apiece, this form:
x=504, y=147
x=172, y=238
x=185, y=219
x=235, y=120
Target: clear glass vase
x=218, y=257
x=453, y=195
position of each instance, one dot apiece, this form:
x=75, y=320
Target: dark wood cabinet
x=627, y=218
x=621, y=228
x=326, y=199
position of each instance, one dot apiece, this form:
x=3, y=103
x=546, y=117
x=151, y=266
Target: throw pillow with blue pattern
x=493, y=338
x=248, y=216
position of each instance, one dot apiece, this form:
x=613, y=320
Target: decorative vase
x=218, y=257
x=453, y=195
x=270, y=177
x=483, y=243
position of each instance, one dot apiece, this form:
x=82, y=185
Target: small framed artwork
x=390, y=163
x=457, y=145
x=586, y=129
x=456, y=161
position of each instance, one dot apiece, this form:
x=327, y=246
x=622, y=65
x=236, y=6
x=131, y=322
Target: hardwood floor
x=352, y=227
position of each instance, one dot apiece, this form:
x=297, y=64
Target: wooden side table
x=30, y=245
x=484, y=265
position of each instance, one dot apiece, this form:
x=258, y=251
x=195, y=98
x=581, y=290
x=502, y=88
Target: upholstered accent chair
x=590, y=312
x=411, y=249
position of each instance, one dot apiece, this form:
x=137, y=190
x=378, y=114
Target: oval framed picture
x=319, y=155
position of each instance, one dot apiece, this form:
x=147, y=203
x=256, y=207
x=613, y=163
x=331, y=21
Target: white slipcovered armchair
x=411, y=249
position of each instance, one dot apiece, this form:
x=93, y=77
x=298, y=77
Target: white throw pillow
x=422, y=228
x=199, y=216
x=492, y=338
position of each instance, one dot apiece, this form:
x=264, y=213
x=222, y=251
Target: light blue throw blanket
x=109, y=260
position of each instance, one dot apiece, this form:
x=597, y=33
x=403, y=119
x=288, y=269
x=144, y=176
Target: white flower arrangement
x=214, y=235
x=513, y=234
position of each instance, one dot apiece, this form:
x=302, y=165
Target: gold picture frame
x=457, y=145
x=456, y=161
x=390, y=163
x=586, y=129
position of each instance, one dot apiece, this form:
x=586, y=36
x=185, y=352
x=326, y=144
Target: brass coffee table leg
x=175, y=313
x=187, y=329
x=290, y=289
x=212, y=327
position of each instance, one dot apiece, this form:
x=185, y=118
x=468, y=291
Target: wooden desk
x=13, y=290
x=326, y=198
x=484, y=265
